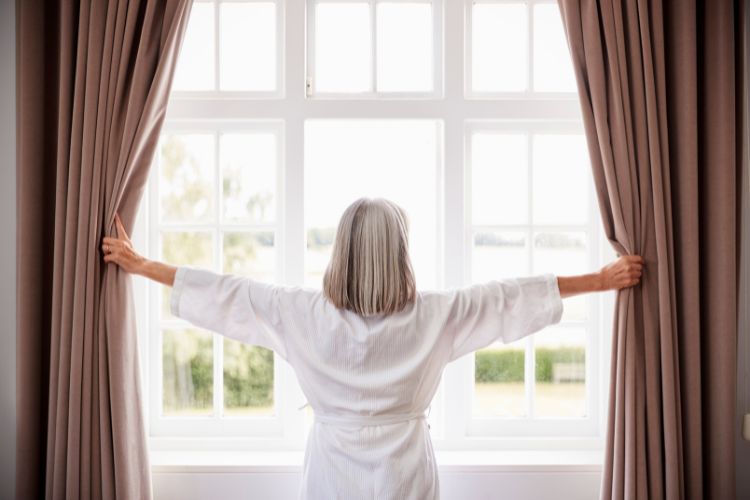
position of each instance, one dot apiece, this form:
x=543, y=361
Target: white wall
x=7, y=248
x=516, y=485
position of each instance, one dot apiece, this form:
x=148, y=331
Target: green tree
x=185, y=194
x=187, y=370
x=248, y=375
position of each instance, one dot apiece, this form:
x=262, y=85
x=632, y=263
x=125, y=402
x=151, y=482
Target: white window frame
x=437, y=63
x=459, y=111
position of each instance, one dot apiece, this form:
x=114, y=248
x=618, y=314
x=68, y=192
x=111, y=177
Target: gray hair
x=370, y=271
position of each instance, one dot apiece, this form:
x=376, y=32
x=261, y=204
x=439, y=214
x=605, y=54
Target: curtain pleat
x=660, y=89
x=109, y=65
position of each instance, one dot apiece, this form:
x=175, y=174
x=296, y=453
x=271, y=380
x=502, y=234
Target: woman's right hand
x=624, y=272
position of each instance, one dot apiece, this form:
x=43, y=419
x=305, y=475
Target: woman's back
x=371, y=365
x=369, y=381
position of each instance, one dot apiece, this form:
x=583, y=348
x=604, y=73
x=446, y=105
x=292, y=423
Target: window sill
x=448, y=461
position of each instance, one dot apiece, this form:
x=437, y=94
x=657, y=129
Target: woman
x=368, y=349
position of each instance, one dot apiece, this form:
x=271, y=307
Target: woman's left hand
x=120, y=250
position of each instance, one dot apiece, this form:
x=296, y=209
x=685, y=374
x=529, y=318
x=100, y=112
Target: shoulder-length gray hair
x=370, y=270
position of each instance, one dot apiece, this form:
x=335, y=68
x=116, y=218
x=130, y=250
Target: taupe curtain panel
x=660, y=84
x=93, y=83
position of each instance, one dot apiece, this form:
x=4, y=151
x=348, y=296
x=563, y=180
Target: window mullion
x=467, y=44
x=291, y=168
x=217, y=49
x=530, y=372
x=458, y=377
x=530, y=46
x=597, y=357
x=218, y=261
x=309, y=24
x=155, y=343
x=373, y=47
x=438, y=86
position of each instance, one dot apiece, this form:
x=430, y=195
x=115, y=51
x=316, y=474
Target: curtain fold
x=660, y=85
x=93, y=80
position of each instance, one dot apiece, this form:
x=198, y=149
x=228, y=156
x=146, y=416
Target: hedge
x=248, y=372
x=248, y=376
x=188, y=383
x=494, y=365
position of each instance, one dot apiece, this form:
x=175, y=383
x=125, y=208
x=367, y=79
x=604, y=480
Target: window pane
x=404, y=46
x=562, y=179
x=187, y=368
x=250, y=254
x=248, y=46
x=393, y=159
x=248, y=370
x=560, y=365
x=553, y=68
x=195, y=64
x=499, y=389
x=499, y=178
x=248, y=169
x=186, y=173
x=184, y=248
x=248, y=379
x=343, y=59
x=499, y=47
x=498, y=255
x=319, y=245
x=563, y=254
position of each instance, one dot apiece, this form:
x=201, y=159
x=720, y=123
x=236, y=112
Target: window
x=214, y=205
x=369, y=47
x=465, y=113
x=388, y=158
x=520, y=223
x=231, y=46
x=517, y=47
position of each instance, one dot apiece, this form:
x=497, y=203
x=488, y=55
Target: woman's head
x=370, y=271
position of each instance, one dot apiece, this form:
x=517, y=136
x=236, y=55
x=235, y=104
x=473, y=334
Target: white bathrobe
x=369, y=379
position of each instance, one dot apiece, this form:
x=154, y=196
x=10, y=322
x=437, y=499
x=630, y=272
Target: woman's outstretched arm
x=120, y=251
x=234, y=306
x=622, y=273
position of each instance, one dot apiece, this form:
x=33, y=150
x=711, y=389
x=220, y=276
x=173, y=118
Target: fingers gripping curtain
x=102, y=72
x=659, y=90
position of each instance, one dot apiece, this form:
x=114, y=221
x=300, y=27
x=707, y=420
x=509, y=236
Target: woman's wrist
x=157, y=271
x=142, y=267
x=600, y=282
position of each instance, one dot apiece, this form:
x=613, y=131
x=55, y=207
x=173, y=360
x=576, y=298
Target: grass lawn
x=509, y=400
x=490, y=400
x=258, y=411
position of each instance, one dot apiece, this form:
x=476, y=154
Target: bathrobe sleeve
x=501, y=311
x=236, y=307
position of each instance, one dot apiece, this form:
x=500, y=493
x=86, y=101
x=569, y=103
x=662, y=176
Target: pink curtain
x=660, y=84
x=93, y=84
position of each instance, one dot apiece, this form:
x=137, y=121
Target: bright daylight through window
x=464, y=112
